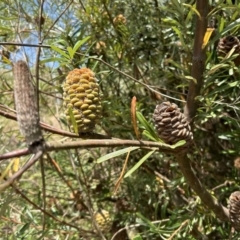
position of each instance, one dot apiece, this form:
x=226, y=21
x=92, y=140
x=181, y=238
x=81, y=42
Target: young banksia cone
x=226, y=44
x=103, y=220
x=26, y=106
x=82, y=97
x=234, y=210
x=172, y=126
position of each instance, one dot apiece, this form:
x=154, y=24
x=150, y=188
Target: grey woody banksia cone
x=172, y=125
x=82, y=97
x=26, y=107
x=234, y=210
x=25, y=98
x=226, y=44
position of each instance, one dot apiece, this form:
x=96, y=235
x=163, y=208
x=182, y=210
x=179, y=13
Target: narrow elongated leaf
x=6, y=170
x=116, y=154
x=138, y=237
x=216, y=67
x=70, y=52
x=146, y=221
x=7, y=18
x=80, y=43
x=231, y=26
x=180, y=35
x=149, y=136
x=139, y=163
x=151, y=131
x=178, y=144
x=15, y=164
x=60, y=51
x=224, y=87
x=193, y=8
x=207, y=36
x=5, y=29
x=73, y=120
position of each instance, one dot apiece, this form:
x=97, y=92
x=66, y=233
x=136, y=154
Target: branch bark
x=198, y=61
x=92, y=143
x=210, y=201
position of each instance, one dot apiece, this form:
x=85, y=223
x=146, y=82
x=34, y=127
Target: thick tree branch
x=211, y=202
x=198, y=61
x=92, y=143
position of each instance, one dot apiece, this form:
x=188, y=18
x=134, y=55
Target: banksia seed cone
x=103, y=220
x=81, y=96
x=172, y=126
x=226, y=44
x=27, y=107
x=234, y=210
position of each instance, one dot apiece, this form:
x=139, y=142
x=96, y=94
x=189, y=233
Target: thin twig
x=227, y=183
x=96, y=143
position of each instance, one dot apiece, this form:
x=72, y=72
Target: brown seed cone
x=172, y=126
x=226, y=44
x=103, y=220
x=27, y=107
x=234, y=210
x=81, y=96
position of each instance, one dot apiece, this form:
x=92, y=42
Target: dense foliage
x=136, y=48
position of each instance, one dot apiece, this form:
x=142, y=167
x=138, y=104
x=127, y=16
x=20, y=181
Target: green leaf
x=80, y=43
x=24, y=228
x=224, y=87
x=70, y=52
x=139, y=163
x=193, y=8
x=73, y=120
x=149, y=136
x=191, y=78
x=8, y=18
x=146, y=220
x=60, y=51
x=5, y=29
x=178, y=6
x=150, y=131
x=180, y=35
x=231, y=26
x=138, y=237
x=216, y=67
x=178, y=144
x=115, y=154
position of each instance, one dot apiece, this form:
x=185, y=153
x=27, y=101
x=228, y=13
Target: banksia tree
x=171, y=125
x=234, y=210
x=26, y=106
x=103, y=220
x=226, y=44
x=82, y=100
